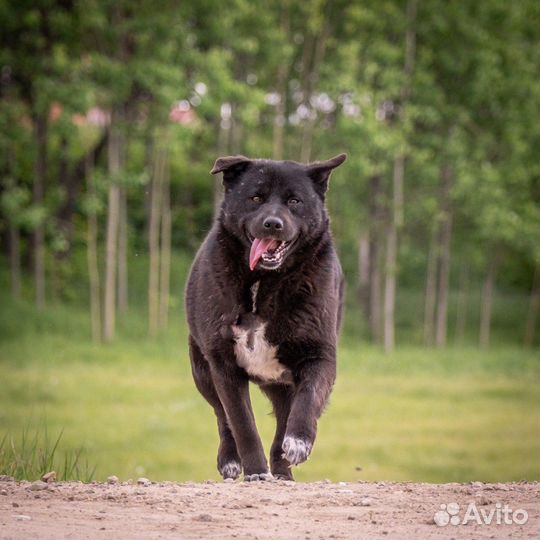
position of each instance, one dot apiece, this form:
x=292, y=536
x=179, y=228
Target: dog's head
x=274, y=208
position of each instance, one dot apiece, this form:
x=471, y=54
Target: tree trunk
x=431, y=290
x=113, y=216
x=375, y=292
x=396, y=219
x=395, y=224
x=278, y=136
x=317, y=56
x=153, y=239
x=531, y=326
x=15, y=259
x=444, y=280
x=65, y=213
x=307, y=140
x=122, y=253
x=149, y=160
x=40, y=177
x=390, y=289
x=487, y=303
x=92, y=254
x=165, y=266
x=224, y=136
x=363, y=271
x=109, y=315
x=306, y=84
x=60, y=249
x=375, y=296
x=462, y=305
x=236, y=134
x=445, y=237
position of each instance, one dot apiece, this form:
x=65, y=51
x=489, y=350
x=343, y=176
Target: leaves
x=337, y=67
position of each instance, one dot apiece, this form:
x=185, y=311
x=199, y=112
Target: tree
x=396, y=218
x=35, y=43
x=131, y=68
x=158, y=277
x=15, y=196
x=92, y=249
x=437, y=111
x=113, y=218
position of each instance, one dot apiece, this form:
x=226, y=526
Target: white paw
x=231, y=469
x=296, y=450
x=261, y=477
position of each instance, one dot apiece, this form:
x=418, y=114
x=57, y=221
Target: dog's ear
x=230, y=166
x=320, y=172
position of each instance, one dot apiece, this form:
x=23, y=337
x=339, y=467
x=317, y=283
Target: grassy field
x=421, y=415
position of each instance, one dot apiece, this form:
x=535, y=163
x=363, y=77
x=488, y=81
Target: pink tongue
x=258, y=247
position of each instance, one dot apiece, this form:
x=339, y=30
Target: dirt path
x=265, y=510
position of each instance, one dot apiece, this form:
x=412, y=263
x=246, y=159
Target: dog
x=264, y=304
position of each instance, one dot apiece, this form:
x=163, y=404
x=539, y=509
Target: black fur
x=300, y=302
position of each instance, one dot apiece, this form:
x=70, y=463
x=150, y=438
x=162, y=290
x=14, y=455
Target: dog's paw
x=284, y=477
x=296, y=450
x=260, y=477
x=231, y=469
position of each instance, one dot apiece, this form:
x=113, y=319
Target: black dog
x=264, y=303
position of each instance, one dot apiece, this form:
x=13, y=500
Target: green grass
x=35, y=453
x=457, y=414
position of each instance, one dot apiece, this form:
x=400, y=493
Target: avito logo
x=449, y=514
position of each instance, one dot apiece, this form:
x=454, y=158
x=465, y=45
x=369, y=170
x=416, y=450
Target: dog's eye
x=257, y=198
x=293, y=201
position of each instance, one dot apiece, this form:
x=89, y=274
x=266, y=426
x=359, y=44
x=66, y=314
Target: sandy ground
x=265, y=510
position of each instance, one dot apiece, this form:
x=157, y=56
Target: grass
x=456, y=414
x=35, y=454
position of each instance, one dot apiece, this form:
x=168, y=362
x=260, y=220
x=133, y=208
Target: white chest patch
x=257, y=356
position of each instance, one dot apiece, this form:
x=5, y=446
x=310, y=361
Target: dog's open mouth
x=270, y=252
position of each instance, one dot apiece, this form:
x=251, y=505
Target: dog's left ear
x=320, y=171
x=230, y=166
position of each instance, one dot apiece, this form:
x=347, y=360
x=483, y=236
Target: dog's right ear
x=230, y=166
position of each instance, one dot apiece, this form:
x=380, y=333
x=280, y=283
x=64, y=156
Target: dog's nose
x=273, y=223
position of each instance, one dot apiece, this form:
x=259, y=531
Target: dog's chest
x=252, y=350
x=257, y=356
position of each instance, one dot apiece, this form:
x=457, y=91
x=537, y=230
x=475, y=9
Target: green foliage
x=475, y=76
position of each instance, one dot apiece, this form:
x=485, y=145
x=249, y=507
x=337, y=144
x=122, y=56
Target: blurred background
x=111, y=116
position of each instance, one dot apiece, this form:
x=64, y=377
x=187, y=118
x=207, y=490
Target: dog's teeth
x=276, y=257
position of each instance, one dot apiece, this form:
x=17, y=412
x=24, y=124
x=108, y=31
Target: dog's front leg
x=315, y=381
x=233, y=390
